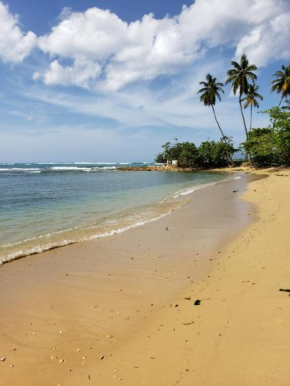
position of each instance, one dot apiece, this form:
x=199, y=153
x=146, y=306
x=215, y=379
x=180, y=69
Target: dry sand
x=121, y=309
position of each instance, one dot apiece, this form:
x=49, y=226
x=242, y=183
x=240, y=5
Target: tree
x=160, y=158
x=167, y=152
x=188, y=156
x=262, y=144
x=209, y=154
x=251, y=99
x=271, y=146
x=216, y=154
x=282, y=82
x=210, y=91
x=239, y=77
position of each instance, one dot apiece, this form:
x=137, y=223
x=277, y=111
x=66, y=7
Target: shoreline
x=160, y=343
x=107, y=287
x=240, y=334
x=164, y=208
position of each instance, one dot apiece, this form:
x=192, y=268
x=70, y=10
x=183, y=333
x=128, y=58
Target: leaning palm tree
x=210, y=91
x=252, y=99
x=239, y=76
x=282, y=82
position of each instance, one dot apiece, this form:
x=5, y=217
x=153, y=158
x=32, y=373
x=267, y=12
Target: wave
x=47, y=163
x=95, y=163
x=69, y=237
x=192, y=189
x=45, y=242
x=20, y=170
x=66, y=168
x=82, y=169
x=46, y=247
x=59, y=169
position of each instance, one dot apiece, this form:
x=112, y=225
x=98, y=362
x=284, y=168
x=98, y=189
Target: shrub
x=209, y=154
x=160, y=158
x=271, y=146
x=262, y=145
x=216, y=154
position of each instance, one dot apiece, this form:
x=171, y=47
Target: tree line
x=210, y=154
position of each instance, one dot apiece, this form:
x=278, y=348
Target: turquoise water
x=48, y=205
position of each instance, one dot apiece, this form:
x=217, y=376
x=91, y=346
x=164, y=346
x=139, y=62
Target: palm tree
x=252, y=99
x=282, y=82
x=210, y=91
x=239, y=77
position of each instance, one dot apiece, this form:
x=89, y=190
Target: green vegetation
x=282, y=83
x=210, y=91
x=239, y=77
x=252, y=100
x=271, y=146
x=209, y=154
x=266, y=146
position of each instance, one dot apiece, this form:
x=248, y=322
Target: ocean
x=43, y=206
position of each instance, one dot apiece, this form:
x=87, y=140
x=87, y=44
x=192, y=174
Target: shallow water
x=48, y=205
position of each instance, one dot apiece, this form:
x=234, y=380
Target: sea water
x=43, y=206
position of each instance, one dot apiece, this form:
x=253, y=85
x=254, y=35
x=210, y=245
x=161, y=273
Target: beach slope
x=240, y=333
x=122, y=309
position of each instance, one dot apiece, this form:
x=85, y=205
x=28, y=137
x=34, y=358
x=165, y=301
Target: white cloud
x=79, y=74
x=142, y=50
x=15, y=46
x=268, y=41
x=176, y=106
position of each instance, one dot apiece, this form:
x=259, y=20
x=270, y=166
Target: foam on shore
x=111, y=227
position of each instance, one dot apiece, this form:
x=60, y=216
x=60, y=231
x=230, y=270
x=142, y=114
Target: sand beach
x=121, y=310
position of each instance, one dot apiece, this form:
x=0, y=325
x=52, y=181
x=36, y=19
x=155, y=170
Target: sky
x=113, y=80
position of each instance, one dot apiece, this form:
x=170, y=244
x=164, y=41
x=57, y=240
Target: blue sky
x=112, y=80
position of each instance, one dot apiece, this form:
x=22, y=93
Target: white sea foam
x=82, y=169
x=107, y=168
x=67, y=168
x=19, y=169
x=42, y=248
x=95, y=163
x=22, y=252
x=191, y=190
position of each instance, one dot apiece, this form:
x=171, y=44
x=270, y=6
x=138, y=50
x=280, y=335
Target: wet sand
x=114, y=310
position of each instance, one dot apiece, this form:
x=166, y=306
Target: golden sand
x=121, y=309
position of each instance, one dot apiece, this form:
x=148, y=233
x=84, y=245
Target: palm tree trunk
x=281, y=100
x=274, y=122
x=251, y=118
x=241, y=107
x=217, y=121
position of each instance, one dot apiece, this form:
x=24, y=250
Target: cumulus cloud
x=15, y=46
x=268, y=41
x=106, y=50
x=79, y=74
